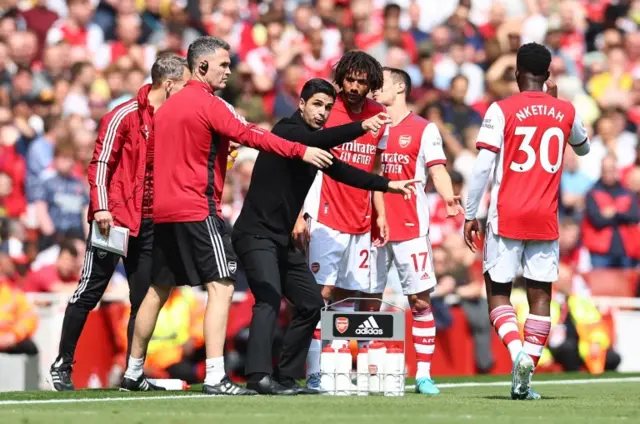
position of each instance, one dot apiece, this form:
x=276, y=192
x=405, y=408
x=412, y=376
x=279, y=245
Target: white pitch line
x=410, y=387
x=538, y=383
x=106, y=399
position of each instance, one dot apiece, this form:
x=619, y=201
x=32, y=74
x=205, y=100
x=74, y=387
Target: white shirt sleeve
x=478, y=182
x=491, y=134
x=431, y=146
x=382, y=143
x=578, y=138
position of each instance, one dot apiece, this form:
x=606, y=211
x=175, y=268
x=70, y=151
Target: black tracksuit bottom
x=97, y=271
x=274, y=271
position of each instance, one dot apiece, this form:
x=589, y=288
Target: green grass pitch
x=567, y=398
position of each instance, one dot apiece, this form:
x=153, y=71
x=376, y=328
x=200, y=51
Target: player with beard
x=338, y=216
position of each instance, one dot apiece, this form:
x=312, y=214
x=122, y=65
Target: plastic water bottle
x=394, y=373
x=362, y=369
x=169, y=383
x=377, y=353
x=94, y=382
x=343, y=372
x=328, y=370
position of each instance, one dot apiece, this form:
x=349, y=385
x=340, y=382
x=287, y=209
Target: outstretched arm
x=354, y=177
x=328, y=138
x=224, y=119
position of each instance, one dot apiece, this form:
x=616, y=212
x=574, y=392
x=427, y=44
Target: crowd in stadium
x=64, y=64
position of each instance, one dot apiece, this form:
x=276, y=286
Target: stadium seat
x=612, y=282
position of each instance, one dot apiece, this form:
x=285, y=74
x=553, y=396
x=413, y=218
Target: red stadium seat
x=613, y=282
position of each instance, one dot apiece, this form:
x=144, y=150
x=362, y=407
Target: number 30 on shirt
x=550, y=135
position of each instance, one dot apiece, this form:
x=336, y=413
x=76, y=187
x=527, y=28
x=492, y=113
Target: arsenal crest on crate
x=342, y=323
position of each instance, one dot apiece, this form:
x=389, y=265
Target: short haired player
x=524, y=136
x=414, y=150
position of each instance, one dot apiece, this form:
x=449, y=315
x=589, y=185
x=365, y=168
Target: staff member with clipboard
x=120, y=179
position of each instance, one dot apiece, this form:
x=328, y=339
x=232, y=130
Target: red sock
x=536, y=332
x=424, y=340
x=505, y=322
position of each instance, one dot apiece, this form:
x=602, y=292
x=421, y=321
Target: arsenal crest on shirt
x=404, y=140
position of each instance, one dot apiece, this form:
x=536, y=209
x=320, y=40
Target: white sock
x=514, y=349
x=134, y=368
x=424, y=370
x=215, y=371
x=313, y=357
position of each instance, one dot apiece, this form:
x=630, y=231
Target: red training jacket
x=193, y=129
x=116, y=172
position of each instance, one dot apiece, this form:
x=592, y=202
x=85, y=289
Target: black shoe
x=59, y=377
x=301, y=390
x=268, y=386
x=139, y=385
x=227, y=388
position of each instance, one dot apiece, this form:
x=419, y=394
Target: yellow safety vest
x=172, y=329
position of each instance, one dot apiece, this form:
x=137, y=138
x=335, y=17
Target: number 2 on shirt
x=549, y=134
x=365, y=261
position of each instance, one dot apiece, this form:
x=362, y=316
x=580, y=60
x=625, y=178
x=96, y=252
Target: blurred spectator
x=392, y=36
x=575, y=183
x=446, y=286
x=13, y=171
x=40, y=152
x=61, y=199
x=611, y=88
x=60, y=277
x=457, y=64
x=610, y=227
x=128, y=31
x=18, y=320
x=425, y=93
x=462, y=28
x=265, y=62
x=611, y=137
x=456, y=113
x=76, y=101
x=77, y=29
x=572, y=251
x=39, y=19
x=414, y=12
x=288, y=96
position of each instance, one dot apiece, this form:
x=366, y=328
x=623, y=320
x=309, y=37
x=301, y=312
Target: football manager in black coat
x=262, y=239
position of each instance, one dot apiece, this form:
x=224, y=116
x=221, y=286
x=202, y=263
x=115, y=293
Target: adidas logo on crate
x=369, y=328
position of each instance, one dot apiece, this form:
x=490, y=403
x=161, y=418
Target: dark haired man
x=339, y=217
x=120, y=194
x=526, y=134
x=262, y=236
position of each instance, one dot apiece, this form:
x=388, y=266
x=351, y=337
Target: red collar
x=204, y=85
x=143, y=98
